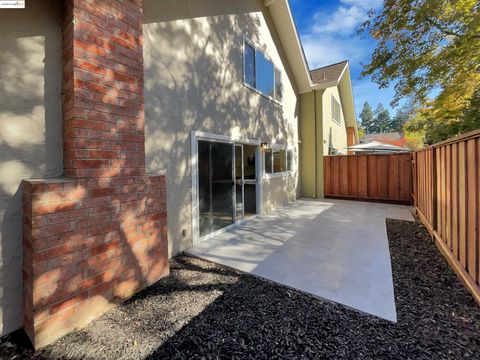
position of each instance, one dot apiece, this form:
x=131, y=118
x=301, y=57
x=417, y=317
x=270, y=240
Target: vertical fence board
x=471, y=209
x=431, y=184
x=327, y=169
x=405, y=178
x=335, y=175
x=372, y=176
x=443, y=192
x=362, y=177
x=462, y=202
x=382, y=176
x=353, y=176
x=448, y=191
x=393, y=183
x=438, y=189
x=344, y=175
x=455, y=200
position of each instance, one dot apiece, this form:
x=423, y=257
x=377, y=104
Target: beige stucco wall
x=334, y=133
x=30, y=130
x=194, y=81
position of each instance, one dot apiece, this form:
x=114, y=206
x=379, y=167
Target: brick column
x=98, y=235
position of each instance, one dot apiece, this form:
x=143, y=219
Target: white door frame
x=201, y=135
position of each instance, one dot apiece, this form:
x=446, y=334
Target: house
x=117, y=113
x=328, y=123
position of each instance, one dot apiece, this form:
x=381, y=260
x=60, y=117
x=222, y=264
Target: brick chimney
x=95, y=237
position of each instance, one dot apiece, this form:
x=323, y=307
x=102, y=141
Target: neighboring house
x=328, y=123
x=217, y=97
x=396, y=138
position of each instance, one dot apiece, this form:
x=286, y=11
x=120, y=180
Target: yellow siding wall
x=335, y=134
x=311, y=149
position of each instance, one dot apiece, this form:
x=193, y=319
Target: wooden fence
x=447, y=200
x=373, y=177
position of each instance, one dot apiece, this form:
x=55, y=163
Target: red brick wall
x=99, y=235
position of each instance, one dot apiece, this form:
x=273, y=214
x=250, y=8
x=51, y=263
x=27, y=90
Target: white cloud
x=344, y=21
x=325, y=50
x=364, y=4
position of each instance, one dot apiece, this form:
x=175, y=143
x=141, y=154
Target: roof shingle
x=327, y=74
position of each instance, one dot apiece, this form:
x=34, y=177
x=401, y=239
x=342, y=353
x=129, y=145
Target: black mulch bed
x=208, y=311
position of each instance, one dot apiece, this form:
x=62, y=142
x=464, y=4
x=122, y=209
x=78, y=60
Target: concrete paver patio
x=334, y=249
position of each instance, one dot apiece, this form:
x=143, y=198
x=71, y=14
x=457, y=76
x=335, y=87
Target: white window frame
x=257, y=48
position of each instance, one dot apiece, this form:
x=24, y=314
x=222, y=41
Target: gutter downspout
x=315, y=137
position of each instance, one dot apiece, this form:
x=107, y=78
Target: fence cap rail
x=463, y=137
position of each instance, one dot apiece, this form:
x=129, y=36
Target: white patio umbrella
x=376, y=146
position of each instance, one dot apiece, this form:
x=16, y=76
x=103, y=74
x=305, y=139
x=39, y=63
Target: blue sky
x=328, y=32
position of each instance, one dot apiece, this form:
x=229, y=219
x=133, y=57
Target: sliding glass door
x=226, y=184
x=216, y=185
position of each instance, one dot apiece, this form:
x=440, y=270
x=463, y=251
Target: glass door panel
x=215, y=186
x=250, y=180
x=239, y=183
x=222, y=185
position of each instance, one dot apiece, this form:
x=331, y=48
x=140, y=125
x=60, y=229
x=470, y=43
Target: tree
x=398, y=120
x=403, y=114
x=382, y=119
x=367, y=117
x=434, y=130
x=425, y=47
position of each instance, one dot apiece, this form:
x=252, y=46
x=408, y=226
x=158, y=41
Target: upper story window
x=260, y=74
x=336, y=114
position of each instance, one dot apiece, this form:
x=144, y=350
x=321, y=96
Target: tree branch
x=446, y=31
x=441, y=28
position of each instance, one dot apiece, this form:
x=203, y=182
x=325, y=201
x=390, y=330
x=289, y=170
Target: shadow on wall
x=194, y=81
x=30, y=130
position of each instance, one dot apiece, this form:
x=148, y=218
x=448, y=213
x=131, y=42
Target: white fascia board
x=324, y=86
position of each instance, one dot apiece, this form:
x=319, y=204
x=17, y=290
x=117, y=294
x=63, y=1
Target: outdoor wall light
x=264, y=146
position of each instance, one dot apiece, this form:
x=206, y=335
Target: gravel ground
x=208, y=311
